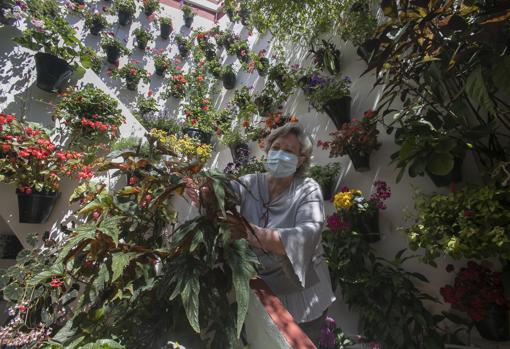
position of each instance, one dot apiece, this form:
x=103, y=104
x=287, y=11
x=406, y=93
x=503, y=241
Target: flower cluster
x=476, y=289
x=320, y=90
x=343, y=199
x=357, y=135
x=30, y=160
x=185, y=148
x=382, y=192
x=177, y=85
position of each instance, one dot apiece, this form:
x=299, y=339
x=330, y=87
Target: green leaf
x=501, y=74
x=110, y=226
x=120, y=261
x=477, y=91
x=189, y=297
x=240, y=262
x=440, y=164
x=13, y=292
x=65, y=333
x=219, y=191
x=103, y=276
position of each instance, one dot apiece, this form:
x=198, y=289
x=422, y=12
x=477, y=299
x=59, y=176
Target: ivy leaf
x=477, y=91
x=189, y=297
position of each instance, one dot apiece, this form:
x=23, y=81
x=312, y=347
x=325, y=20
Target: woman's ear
x=301, y=159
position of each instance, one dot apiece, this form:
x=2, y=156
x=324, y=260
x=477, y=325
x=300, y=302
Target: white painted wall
x=20, y=96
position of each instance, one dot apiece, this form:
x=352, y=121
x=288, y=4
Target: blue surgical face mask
x=281, y=163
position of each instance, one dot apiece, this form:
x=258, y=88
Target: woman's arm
x=266, y=238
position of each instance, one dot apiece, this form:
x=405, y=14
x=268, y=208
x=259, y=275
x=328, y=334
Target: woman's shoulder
x=308, y=186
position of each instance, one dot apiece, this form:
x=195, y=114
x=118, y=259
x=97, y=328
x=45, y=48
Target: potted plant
x=326, y=176
x=332, y=95
x=35, y=166
x=242, y=50
x=177, y=85
x=132, y=72
x=143, y=36
x=183, y=44
x=230, y=8
x=226, y=39
x=284, y=76
x=214, y=67
x=201, y=120
x=239, y=169
x=146, y=105
x=244, y=13
x=90, y=117
x=95, y=22
x=262, y=63
x=269, y=99
x=478, y=291
x=150, y=6
x=243, y=103
x=162, y=62
x=234, y=137
x=327, y=57
x=357, y=213
x=187, y=15
x=429, y=148
x=357, y=139
x=58, y=47
x=468, y=223
x=114, y=48
x=228, y=77
x=165, y=25
x=125, y=10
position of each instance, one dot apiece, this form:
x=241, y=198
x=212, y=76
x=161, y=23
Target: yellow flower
x=343, y=200
x=356, y=192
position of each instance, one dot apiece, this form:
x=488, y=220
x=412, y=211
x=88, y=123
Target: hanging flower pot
x=165, y=29
x=183, y=51
x=188, y=21
x=240, y=152
x=494, y=326
x=454, y=176
x=229, y=79
x=360, y=160
x=96, y=29
x=142, y=45
x=264, y=104
x=339, y=110
x=36, y=207
x=112, y=54
x=365, y=49
x=263, y=66
x=124, y=17
x=328, y=189
x=132, y=85
x=367, y=224
x=160, y=71
x=52, y=72
x=204, y=137
x=244, y=14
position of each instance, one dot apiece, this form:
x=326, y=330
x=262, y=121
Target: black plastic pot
x=240, y=152
x=367, y=224
x=229, y=80
x=160, y=72
x=166, y=29
x=112, y=54
x=124, y=17
x=339, y=110
x=188, y=21
x=52, y=72
x=141, y=45
x=454, y=176
x=360, y=160
x=131, y=85
x=36, y=207
x=494, y=325
x=203, y=137
x=366, y=49
x=96, y=29
x=183, y=51
x=210, y=54
x=328, y=189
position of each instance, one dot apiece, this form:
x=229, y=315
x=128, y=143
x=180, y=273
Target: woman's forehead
x=288, y=141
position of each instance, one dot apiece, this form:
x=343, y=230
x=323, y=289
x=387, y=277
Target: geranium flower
x=56, y=283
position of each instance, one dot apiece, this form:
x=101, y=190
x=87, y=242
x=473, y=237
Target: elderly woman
x=285, y=209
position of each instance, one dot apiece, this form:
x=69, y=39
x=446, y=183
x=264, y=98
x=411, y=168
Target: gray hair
x=305, y=144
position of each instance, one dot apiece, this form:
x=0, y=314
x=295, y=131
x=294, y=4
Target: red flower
x=27, y=190
x=246, y=124
x=205, y=108
x=86, y=173
x=194, y=121
x=205, y=101
x=24, y=153
x=22, y=308
x=150, y=93
x=200, y=78
x=56, y=283
x=132, y=180
x=6, y=147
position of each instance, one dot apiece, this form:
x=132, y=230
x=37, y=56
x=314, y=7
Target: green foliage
x=325, y=175
x=357, y=24
x=142, y=35
x=391, y=307
x=239, y=169
x=151, y=6
x=331, y=88
x=109, y=42
x=131, y=143
x=187, y=11
x=126, y=6
x=95, y=19
x=146, y=105
x=448, y=70
x=165, y=20
x=327, y=57
x=470, y=223
x=79, y=109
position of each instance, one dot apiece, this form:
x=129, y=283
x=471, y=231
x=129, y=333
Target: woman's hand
x=239, y=228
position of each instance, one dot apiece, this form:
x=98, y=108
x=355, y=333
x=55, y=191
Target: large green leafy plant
x=471, y=223
x=126, y=277
x=446, y=62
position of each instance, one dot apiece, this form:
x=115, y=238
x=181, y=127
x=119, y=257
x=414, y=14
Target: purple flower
x=347, y=79
x=327, y=338
x=330, y=323
x=38, y=24
x=336, y=224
